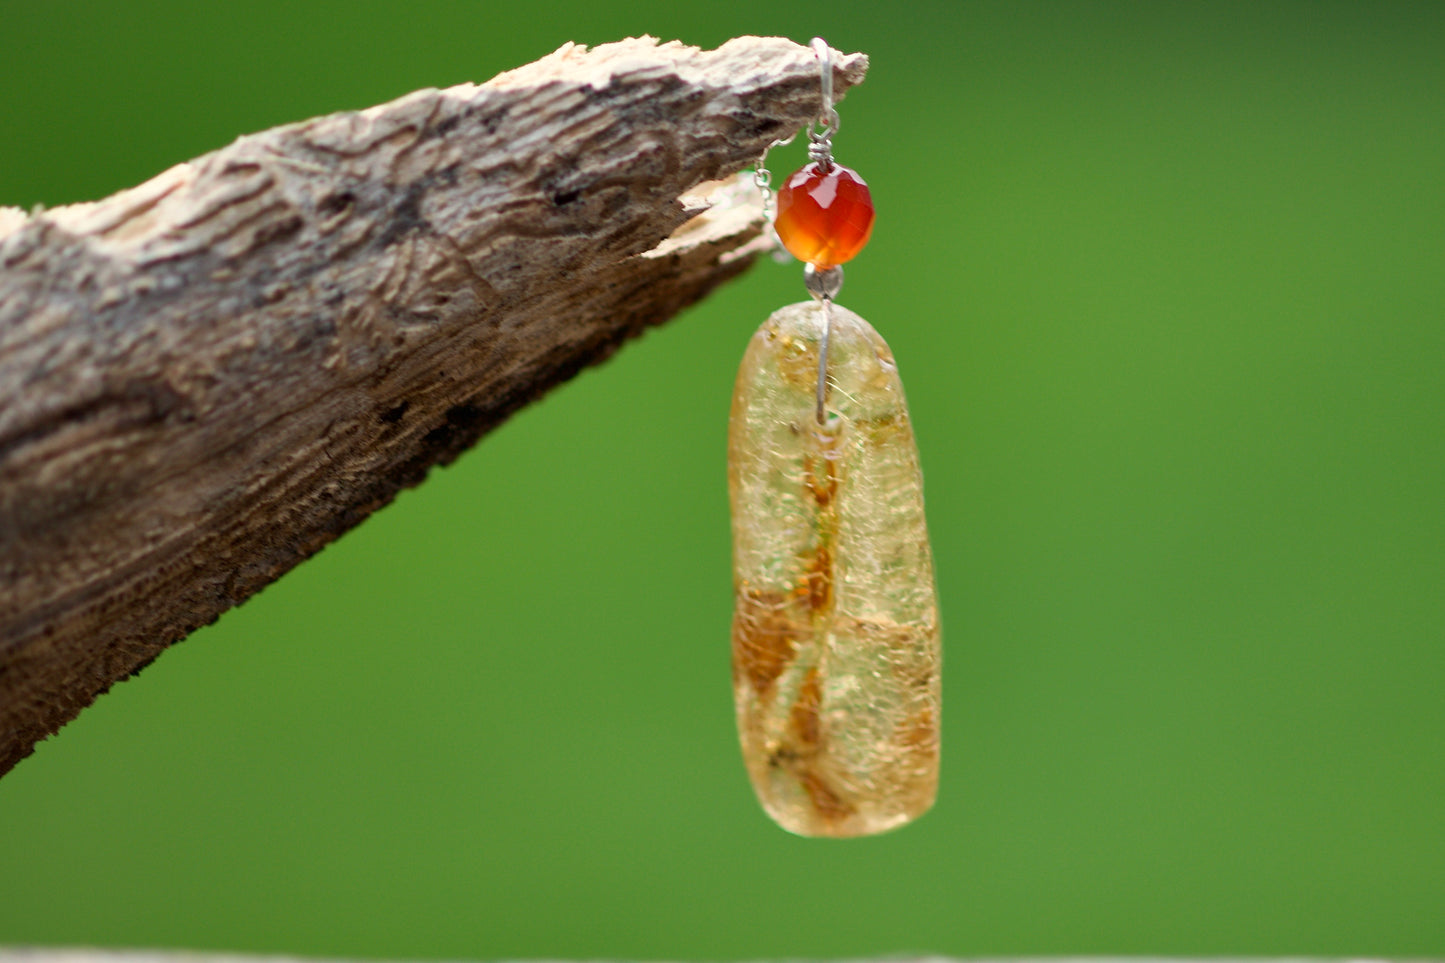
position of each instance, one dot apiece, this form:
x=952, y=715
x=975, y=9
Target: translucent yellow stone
x=836, y=650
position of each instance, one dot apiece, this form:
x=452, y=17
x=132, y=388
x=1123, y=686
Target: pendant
x=836, y=651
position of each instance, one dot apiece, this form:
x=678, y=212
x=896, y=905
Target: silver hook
x=828, y=122
x=825, y=61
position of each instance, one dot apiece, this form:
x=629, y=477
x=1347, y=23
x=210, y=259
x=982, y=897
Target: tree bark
x=206, y=378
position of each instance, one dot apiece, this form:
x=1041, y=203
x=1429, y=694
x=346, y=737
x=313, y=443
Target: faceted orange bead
x=824, y=218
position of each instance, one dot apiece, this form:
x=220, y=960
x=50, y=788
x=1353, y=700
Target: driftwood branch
x=205, y=379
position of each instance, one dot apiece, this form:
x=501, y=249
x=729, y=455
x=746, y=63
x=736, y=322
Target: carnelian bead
x=824, y=217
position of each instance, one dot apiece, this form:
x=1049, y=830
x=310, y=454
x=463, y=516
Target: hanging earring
x=836, y=650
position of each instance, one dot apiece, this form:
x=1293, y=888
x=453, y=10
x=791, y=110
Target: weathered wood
x=205, y=379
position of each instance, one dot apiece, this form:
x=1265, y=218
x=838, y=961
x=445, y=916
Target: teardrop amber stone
x=824, y=217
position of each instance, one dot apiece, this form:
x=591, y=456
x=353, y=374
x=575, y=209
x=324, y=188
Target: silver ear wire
x=820, y=150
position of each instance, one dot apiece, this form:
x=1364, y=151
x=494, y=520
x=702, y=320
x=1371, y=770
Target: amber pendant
x=836, y=651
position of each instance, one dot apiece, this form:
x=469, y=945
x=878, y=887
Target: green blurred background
x=1166, y=283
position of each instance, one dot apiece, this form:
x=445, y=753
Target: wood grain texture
x=206, y=378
